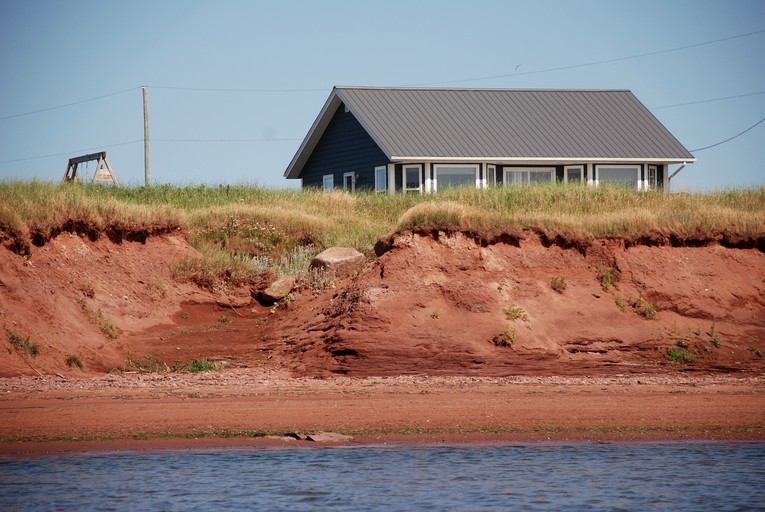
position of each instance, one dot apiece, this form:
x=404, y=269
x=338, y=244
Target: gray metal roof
x=502, y=125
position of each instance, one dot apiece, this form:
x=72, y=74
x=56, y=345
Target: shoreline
x=259, y=408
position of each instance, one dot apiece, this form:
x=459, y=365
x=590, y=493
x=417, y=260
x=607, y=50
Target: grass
x=644, y=308
x=505, y=337
x=153, y=364
x=74, y=360
x=22, y=344
x=97, y=317
x=558, y=284
x=243, y=231
x=680, y=355
x=608, y=277
x=516, y=313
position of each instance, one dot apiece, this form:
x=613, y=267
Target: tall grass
x=231, y=224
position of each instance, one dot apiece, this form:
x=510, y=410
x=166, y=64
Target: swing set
x=104, y=172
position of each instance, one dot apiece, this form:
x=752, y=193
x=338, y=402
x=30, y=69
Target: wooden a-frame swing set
x=104, y=172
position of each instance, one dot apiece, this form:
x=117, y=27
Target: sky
x=234, y=86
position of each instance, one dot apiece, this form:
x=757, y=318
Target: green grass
x=242, y=230
x=74, y=360
x=22, y=344
x=680, y=355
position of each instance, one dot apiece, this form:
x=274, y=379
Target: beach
x=246, y=407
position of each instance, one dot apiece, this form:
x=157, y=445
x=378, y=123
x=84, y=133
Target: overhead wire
x=70, y=152
x=20, y=114
x=728, y=139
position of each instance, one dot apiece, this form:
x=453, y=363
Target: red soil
x=428, y=306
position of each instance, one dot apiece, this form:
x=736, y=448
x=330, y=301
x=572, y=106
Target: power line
x=69, y=104
x=70, y=152
x=586, y=64
x=223, y=140
x=729, y=139
x=214, y=89
x=709, y=100
x=475, y=79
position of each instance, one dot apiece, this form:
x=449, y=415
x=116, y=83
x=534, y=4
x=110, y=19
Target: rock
x=278, y=289
x=342, y=261
x=327, y=437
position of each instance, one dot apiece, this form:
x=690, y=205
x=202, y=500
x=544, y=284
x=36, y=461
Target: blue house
x=402, y=140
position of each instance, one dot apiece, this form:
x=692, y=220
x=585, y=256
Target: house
x=424, y=140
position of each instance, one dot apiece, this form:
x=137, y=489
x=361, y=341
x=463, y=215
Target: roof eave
x=313, y=136
x=563, y=160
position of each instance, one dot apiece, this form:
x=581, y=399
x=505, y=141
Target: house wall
x=344, y=147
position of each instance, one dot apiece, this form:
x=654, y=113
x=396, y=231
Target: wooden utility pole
x=146, y=164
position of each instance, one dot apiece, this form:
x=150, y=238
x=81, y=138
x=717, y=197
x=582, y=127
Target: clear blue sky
x=54, y=53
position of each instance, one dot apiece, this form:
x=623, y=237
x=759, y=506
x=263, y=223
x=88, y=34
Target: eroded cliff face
x=431, y=303
x=452, y=304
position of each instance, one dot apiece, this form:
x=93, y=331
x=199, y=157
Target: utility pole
x=146, y=165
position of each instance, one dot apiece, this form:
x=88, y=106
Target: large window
x=448, y=176
x=381, y=179
x=328, y=181
x=627, y=175
x=412, y=178
x=519, y=175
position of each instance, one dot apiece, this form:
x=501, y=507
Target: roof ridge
x=477, y=89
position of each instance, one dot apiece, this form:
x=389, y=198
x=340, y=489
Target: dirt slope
x=433, y=306
x=429, y=305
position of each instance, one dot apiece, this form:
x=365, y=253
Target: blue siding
x=344, y=147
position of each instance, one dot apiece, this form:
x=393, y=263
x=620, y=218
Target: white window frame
x=508, y=170
x=491, y=176
x=419, y=178
x=352, y=176
x=328, y=178
x=652, y=183
x=581, y=172
x=637, y=167
x=381, y=170
x=436, y=167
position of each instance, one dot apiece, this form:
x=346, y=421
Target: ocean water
x=690, y=476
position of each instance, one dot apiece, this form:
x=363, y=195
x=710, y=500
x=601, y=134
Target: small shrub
x=622, y=302
x=184, y=315
x=434, y=315
x=201, y=365
x=713, y=336
x=608, y=277
x=558, y=284
x=148, y=363
x=505, y=337
x=680, y=355
x=644, y=308
x=225, y=318
x=516, y=313
x=74, y=360
x=756, y=351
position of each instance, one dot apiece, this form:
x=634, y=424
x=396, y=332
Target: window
x=627, y=175
x=412, y=178
x=518, y=175
x=349, y=182
x=652, y=177
x=448, y=176
x=381, y=179
x=328, y=181
x=491, y=175
x=574, y=173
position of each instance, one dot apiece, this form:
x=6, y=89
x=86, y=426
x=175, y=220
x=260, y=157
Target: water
x=581, y=476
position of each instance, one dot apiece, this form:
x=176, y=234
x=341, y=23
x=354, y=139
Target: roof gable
x=508, y=124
